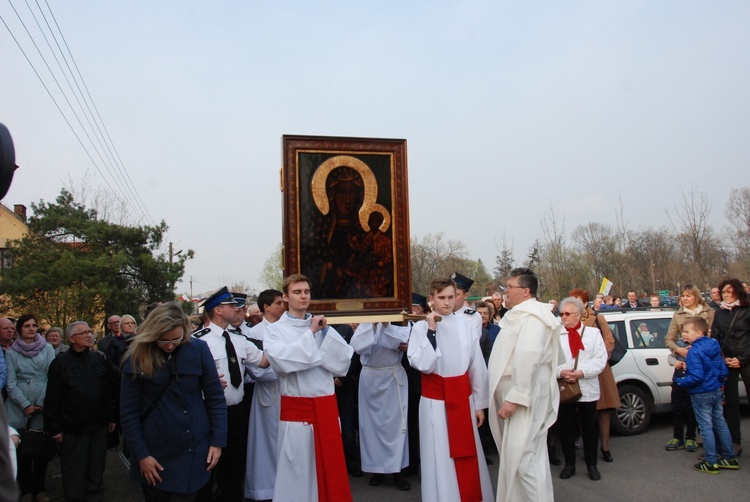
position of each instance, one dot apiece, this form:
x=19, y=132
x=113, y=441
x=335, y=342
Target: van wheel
x=634, y=413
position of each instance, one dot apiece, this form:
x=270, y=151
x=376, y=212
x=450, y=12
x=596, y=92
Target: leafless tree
x=597, y=245
x=272, y=275
x=504, y=261
x=698, y=243
x=110, y=207
x=434, y=256
x=738, y=215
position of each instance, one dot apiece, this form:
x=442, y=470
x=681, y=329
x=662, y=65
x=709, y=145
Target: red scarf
x=574, y=340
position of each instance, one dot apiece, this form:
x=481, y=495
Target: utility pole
x=172, y=254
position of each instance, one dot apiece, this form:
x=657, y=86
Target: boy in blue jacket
x=706, y=372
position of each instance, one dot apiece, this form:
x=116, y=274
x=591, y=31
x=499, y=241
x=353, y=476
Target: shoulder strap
x=734, y=318
x=596, y=320
x=163, y=391
x=583, y=328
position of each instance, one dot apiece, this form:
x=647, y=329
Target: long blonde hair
x=144, y=354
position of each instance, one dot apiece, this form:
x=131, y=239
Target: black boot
x=593, y=473
x=568, y=471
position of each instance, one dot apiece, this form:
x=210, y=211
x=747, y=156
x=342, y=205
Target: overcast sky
x=508, y=109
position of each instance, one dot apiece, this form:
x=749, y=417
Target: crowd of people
x=278, y=404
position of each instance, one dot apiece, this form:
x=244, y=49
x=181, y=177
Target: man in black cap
x=418, y=304
x=414, y=379
x=461, y=308
x=232, y=352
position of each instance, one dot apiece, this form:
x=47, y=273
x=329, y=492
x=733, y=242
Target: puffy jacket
x=706, y=370
x=80, y=393
x=734, y=343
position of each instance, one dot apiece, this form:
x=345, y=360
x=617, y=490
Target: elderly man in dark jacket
x=79, y=410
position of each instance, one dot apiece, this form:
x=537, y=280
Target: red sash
x=455, y=391
x=323, y=414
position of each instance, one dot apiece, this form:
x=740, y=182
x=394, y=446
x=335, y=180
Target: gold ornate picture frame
x=346, y=222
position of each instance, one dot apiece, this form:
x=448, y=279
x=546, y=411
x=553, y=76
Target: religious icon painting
x=346, y=225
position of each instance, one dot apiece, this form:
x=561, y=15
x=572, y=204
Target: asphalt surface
x=642, y=470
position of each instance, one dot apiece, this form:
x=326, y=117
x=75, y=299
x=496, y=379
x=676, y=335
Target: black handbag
x=36, y=445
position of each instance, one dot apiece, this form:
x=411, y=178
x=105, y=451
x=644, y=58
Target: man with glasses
x=79, y=410
x=523, y=390
x=113, y=330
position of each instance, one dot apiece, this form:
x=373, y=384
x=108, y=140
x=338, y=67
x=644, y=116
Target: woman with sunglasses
x=609, y=399
x=172, y=410
x=585, y=357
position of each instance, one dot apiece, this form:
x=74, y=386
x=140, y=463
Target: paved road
x=642, y=470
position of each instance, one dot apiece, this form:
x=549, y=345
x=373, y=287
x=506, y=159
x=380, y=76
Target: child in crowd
x=705, y=375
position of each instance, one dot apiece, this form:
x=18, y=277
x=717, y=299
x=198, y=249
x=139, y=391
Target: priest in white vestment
x=448, y=355
x=306, y=355
x=523, y=390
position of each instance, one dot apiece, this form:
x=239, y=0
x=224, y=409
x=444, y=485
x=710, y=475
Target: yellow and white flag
x=606, y=286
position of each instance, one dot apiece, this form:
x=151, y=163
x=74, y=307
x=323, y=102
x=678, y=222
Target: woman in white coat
x=586, y=344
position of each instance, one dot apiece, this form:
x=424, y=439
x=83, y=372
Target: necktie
x=235, y=375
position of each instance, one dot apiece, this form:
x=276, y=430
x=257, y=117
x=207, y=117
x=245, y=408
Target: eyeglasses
x=175, y=342
x=89, y=332
x=508, y=286
x=566, y=314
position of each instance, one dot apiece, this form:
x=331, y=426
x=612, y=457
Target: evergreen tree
x=74, y=266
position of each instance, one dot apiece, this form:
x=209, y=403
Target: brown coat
x=609, y=398
x=679, y=318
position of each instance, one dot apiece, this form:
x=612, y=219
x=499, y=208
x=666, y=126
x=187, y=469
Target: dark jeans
x=716, y=437
x=82, y=459
x=732, y=396
x=151, y=494
x=568, y=418
x=682, y=414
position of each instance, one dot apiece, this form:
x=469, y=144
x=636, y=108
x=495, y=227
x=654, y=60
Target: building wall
x=11, y=227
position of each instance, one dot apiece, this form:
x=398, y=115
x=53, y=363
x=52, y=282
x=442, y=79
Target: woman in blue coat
x=172, y=410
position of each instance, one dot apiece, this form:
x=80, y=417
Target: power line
x=110, y=164
x=55, y=102
x=83, y=81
